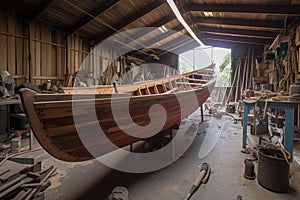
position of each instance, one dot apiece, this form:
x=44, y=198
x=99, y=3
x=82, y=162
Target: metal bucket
x=273, y=169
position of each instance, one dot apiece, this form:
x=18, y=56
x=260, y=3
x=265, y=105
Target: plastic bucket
x=15, y=144
x=273, y=169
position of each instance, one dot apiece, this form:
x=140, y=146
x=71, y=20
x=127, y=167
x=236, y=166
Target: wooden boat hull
x=83, y=127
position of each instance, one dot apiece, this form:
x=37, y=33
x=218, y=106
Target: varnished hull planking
x=52, y=119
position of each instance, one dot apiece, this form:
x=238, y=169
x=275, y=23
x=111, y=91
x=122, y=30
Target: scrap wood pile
x=266, y=95
x=19, y=181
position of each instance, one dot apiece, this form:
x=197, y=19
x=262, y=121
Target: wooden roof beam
x=177, y=42
x=291, y=10
x=237, y=39
x=262, y=24
x=188, y=45
x=131, y=19
x=238, y=32
x=42, y=7
x=154, y=40
x=142, y=32
x=163, y=36
x=228, y=44
x=181, y=40
x=99, y=10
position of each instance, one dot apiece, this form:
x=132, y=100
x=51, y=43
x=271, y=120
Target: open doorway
x=204, y=56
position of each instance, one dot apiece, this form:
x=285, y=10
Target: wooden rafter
x=142, y=32
x=131, y=19
x=42, y=7
x=291, y=10
x=162, y=36
x=178, y=48
x=102, y=8
x=177, y=42
x=238, y=32
x=167, y=47
x=262, y=24
x=229, y=44
x=239, y=39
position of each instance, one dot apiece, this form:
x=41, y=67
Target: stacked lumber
x=20, y=181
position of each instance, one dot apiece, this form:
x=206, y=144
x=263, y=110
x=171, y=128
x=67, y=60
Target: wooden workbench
x=289, y=120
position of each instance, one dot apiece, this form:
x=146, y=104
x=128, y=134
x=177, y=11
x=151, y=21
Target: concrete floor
x=93, y=180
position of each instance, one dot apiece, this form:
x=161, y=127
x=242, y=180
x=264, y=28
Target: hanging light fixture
x=163, y=29
x=208, y=14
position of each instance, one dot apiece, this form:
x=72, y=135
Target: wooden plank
x=93, y=63
x=156, y=89
x=25, y=52
x=289, y=10
x=63, y=54
x=238, y=80
x=187, y=83
x=3, y=41
x=19, y=48
x=54, y=56
x=262, y=24
x=37, y=53
x=232, y=84
x=297, y=36
x=59, y=56
x=76, y=56
x=32, y=49
x=196, y=80
x=164, y=87
x=172, y=90
x=67, y=97
x=13, y=35
x=80, y=55
x=48, y=77
x=43, y=52
x=299, y=59
x=49, y=51
x=11, y=61
x=71, y=56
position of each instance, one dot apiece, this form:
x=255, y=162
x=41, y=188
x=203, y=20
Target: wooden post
x=245, y=69
x=251, y=70
x=238, y=80
x=232, y=85
x=298, y=58
x=248, y=69
x=30, y=71
x=67, y=53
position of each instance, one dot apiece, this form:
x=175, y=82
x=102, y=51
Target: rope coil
x=285, y=153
